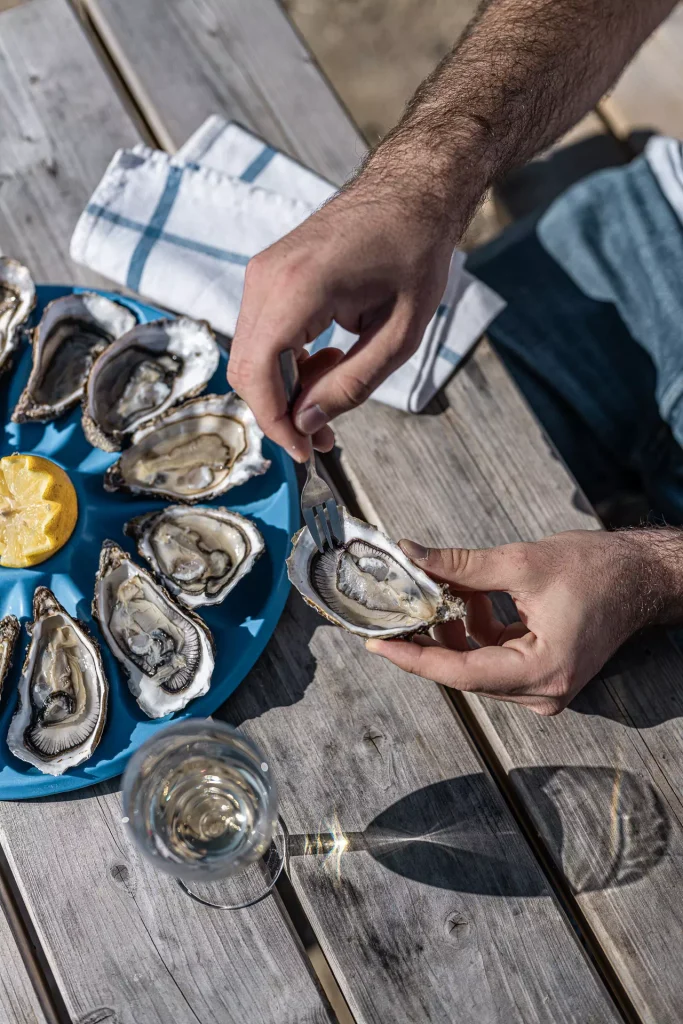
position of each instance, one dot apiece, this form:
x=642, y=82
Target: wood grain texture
x=18, y=1001
x=649, y=94
x=601, y=793
x=242, y=59
x=125, y=945
x=419, y=887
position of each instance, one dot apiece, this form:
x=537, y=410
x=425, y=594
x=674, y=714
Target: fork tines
x=330, y=524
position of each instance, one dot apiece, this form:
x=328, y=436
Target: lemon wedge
x=38, y=510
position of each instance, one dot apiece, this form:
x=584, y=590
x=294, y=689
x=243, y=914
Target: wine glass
x=201, y=804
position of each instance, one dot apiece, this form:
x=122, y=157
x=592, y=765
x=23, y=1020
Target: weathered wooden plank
x=649, y=93
x=357, y=755
x=481, y=473
x=264, y=77
x=124, y=943
x=19, y=1003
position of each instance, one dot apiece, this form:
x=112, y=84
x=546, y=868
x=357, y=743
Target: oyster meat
x=193, y=453
x=9, y=634
x=166, y=651
x=368, y=585
x=17, y=299
x=72, y=332
x=200, y=553
x=62, y=704
x=144, y=373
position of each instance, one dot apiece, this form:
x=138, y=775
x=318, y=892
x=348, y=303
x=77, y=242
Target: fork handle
x=289, y=368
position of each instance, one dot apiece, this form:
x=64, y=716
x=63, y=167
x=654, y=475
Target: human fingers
x=312, y=367
x=286, y=318
x=380, y=349
x=507, y=568
x=452, y=634
x=486, y=669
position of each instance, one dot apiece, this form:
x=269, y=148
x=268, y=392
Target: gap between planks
x=19, y=923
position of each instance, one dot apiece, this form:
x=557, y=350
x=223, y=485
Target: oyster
x=17, y=299
x=143, y=374
x=63, y=691
x=72, y=332
x=9, y=634
x=193, y=453
x=166, y=651
x=368, y=585
x=200, y=553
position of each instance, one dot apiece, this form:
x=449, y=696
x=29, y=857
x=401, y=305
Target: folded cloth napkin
x=180, y=230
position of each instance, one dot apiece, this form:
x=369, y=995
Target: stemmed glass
x=200, y=802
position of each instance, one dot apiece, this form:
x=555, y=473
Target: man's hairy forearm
x=652, y=567
x=523, y=73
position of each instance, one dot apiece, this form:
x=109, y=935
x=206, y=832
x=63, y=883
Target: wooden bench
x=481, y=926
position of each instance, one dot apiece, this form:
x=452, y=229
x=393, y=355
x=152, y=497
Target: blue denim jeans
x=593, y=332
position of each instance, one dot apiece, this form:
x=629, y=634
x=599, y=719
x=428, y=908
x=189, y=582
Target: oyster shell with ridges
x=368, y=585
x=200, y=554
x=17, y=299
x=195, y=452
x=142, y=374
x=9, y=634
x=62, y=703
x=166, y=651
x=72, y=332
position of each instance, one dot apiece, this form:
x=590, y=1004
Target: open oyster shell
x=194, y=452
x=17, y=299
x=368, y=585
x=201, y=554
x=141, y=375
x=166, y=651
x=63, y=691
x=72, y=332
x=9, y=634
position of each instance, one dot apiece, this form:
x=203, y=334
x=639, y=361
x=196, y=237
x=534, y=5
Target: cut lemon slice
x=38, y=510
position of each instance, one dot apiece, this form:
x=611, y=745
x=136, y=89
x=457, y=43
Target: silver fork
x=316, y=496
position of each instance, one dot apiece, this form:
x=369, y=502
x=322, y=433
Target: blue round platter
x=241, y=625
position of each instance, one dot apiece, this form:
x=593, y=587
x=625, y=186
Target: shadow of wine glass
x=602, y=827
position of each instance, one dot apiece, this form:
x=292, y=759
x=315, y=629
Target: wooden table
x=498, y=866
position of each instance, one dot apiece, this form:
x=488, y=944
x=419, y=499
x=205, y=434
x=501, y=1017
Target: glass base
x=248, y=887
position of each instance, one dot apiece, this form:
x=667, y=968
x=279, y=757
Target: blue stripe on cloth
x=153, y=230
x=323, y=340
x=448, y=353
x=442, y=310
x=258, y=164
x=167, y=236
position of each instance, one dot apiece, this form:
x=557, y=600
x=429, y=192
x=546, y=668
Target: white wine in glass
x=201, y=804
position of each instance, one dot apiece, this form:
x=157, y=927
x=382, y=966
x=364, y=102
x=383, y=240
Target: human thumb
x=470, y=568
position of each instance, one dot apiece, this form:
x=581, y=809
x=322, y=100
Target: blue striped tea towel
x=180, y=231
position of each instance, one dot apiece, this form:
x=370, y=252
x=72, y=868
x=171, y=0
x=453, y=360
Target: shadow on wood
x=617, y=831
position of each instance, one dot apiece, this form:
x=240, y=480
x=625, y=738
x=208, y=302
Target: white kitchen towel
x=180, y=231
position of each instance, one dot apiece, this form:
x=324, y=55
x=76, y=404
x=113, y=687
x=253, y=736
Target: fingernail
x=298, y=454
x=374, y=646
x=310, y=419
x=414, y=550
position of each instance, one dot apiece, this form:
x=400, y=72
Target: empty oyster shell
x=17, y=299
x=200, y=553
x=368, y=585
x=144, y=373
x=72, y=332
x=9, y=633
x=63, y=691
x=166, y=651
x=193, y=453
